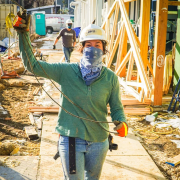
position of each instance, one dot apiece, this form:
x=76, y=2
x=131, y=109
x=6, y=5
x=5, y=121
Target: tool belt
x=72, y=155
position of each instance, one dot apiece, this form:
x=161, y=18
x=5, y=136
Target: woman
x=91, y=86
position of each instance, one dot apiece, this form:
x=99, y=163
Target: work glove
x=121, y=128
x=22, y=21
x=54, y=46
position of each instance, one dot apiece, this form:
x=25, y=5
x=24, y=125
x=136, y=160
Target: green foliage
x=63, y=11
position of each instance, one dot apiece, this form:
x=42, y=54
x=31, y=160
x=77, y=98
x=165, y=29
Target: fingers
x=116, y=122
x=118, y=127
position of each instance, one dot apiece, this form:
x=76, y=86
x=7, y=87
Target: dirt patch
x=15, y=95
x=159, y=146
x=15, y=101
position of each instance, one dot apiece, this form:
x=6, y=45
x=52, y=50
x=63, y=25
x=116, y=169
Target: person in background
x=83, y=144
x=68, y=40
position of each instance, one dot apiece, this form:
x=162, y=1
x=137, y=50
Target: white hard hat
x=92, y=32
x=68, y=21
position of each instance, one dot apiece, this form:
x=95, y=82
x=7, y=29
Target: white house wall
x=99, y=5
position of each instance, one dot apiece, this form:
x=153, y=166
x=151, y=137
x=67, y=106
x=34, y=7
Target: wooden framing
x=114, y=29
x=127, y=32
x=159, y=49
x=130, y=67
x=137, y=55
x=124, y=46
x=120, y=49
x=131, y=90
x=109, y=14
x=129, y=0
x=115, y=47
x=123, y=63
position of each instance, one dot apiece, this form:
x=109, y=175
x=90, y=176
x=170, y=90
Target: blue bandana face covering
x=91, y=64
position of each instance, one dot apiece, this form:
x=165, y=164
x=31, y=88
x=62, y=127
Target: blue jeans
x=67, y=53
x=90, y=157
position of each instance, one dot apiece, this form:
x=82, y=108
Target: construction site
x=142, y=42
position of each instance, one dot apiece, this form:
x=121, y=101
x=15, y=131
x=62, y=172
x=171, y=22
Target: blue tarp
x=77, y=30
x=2, y=46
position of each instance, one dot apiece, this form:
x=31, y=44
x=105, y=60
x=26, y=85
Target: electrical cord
x=153, y=132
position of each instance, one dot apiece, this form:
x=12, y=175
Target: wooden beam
x=109, y=14
x=136, y=53
x=132, y=101
x=43, y=107
x=115, y=47
x=120, y=49
x=124, y=46
x=130, y=67
x=31, y=118
x=131, y=83
x=134, y=111
x=173, y=3
x=129, y=0
x=136, y=38
x=44, y=110
x=114, y=27
x=123, y=63
x=107, y=23
x=36, y=91
x=31, y=132
x=159, y=49
x=131, y=90
x=144, y=30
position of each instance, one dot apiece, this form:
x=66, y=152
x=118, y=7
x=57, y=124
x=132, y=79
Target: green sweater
x=93, y=99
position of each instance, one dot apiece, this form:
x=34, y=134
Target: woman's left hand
x=121, y=128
